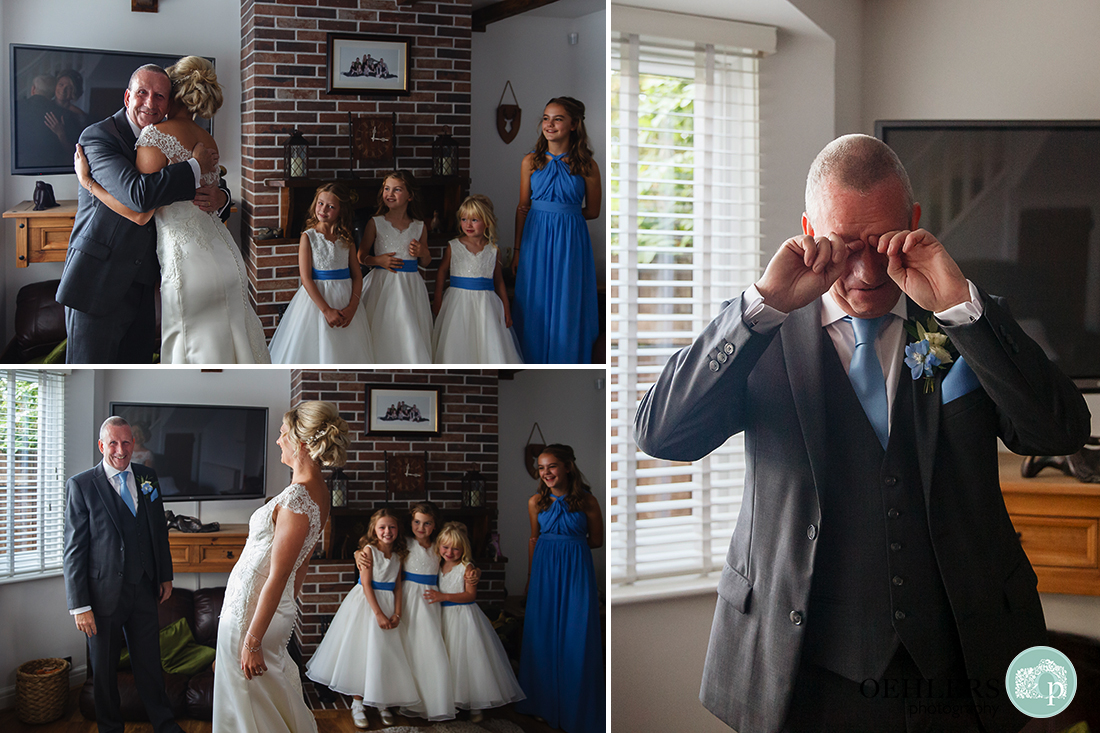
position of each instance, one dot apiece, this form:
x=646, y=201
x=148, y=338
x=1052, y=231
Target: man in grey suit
x=117, y=567
x=111, y=271
x=874, y=581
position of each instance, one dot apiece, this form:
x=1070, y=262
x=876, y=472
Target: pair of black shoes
x=188, y=524
x=1084, y=465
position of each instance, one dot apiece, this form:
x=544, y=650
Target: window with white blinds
x=685, y=236
x=32, y=473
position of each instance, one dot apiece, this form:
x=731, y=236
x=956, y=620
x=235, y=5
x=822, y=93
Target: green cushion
x=57, y=356
x=179, y=654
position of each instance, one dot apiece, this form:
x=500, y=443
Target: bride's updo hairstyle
x=319, y=426
x=195, y=84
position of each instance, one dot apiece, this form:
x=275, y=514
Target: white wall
x=533, y=52
x=201, y=27
x=570, y=407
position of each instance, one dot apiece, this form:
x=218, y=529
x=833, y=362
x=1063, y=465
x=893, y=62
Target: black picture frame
x=385, y=414
x=347, y=50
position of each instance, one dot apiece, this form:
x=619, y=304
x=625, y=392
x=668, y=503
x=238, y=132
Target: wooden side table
x=1058, y=520
x=207, y=552
x=42, y=236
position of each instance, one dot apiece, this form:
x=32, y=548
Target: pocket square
x=960, y=380
x=153, y=496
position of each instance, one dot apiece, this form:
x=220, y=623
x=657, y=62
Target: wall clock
x=374, y=137
x=407, y=476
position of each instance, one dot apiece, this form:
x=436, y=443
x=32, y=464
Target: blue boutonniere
x=932, y=350
x=149, y=488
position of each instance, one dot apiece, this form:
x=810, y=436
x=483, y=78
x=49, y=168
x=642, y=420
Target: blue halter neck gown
x=556, y=313
x=561, y=668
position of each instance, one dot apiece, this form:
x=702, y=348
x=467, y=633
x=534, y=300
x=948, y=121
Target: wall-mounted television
x=56, y=92
x=1017, y=204
x=200, y=452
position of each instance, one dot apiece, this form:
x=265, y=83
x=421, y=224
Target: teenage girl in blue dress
x=556, y=314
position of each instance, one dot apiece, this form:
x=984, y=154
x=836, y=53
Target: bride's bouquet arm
x=291, y=530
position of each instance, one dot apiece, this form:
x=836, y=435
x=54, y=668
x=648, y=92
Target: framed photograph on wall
x=360, y=63
x=412, y=411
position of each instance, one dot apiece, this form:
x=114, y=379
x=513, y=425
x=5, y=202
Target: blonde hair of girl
x=479, y=206
x=195, y=84
x=454, y=535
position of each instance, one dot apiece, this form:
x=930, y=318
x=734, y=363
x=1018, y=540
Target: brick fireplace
x=283, y=80
x=468, y=439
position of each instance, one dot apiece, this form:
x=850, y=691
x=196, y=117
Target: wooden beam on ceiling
x=504, y=9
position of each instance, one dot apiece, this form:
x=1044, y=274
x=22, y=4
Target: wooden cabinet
x=207, y=552
x=42, y=236
x=1058, y=520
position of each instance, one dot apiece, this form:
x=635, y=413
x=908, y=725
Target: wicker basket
x=42, y=689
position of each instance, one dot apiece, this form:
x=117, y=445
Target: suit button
x=713, y=365
x=899, y=615
x=811, y=532
x=728, y=348
x=722, y=357
x=898, y=580
x=891, y=481
x=895, y=546
x=796, y=618
x=892, y=513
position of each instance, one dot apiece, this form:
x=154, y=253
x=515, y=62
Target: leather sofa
x=39, y=324
x=190, y=697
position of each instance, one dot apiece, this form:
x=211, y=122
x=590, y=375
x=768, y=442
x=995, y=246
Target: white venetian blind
x=32, y=473
x=685, y=236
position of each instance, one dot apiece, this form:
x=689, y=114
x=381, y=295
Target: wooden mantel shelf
x=1058, y=520
x=42, y=236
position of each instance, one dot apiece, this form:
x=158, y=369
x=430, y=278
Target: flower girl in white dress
x=362, y=654
x=480, y=669
x=324, y=323
x=473, y=321
x=395, y=243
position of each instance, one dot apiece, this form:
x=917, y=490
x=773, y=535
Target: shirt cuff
x=197, y=171
x=78, y=611
x=757, y=315
x=964, y=313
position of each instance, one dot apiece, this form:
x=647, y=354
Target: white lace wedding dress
x=206, y=315
x=272, y=702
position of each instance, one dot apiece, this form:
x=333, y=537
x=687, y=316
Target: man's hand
x=209, y=198
x=208, y=159
x=165, y=590
x=802, y=270
x=924, y=271
x=86, y=622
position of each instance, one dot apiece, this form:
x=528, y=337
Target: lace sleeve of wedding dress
x=172, y=148
x=298, y=500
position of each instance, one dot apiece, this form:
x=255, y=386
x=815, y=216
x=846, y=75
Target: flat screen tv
x=200, y=452
x=1017, y=204
x=56, y=92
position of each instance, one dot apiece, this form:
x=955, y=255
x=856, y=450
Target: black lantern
x=473, y=489
x=295, y=156
x=338, y=485
x=445, y=155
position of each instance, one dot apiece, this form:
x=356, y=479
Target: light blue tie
x=866, y=375
x=127, y=498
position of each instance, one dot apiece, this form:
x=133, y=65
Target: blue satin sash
x=344, y=274
x=472, y=283
x=422, y=579
x=557, y=207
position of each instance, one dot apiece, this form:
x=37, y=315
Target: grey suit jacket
x=107, y=252
x=771, y=388
x=94, y=547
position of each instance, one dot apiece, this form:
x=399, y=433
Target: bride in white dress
x=257, y=688
x=206, y=314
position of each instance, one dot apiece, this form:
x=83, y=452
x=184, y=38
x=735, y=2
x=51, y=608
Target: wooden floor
x=328, y=721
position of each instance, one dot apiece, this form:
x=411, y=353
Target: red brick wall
x=468, y=439
x=283, y=80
